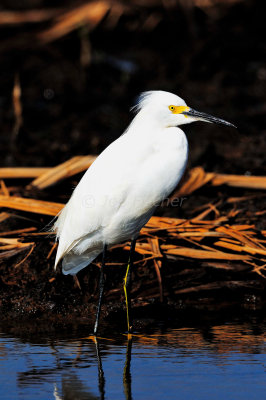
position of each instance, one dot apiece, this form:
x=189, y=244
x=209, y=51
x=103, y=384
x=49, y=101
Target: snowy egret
x=119, y=192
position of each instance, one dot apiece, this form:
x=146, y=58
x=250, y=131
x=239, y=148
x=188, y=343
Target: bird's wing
x=98, y=196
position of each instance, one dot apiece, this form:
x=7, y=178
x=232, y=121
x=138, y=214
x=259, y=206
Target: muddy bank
x=32, y=291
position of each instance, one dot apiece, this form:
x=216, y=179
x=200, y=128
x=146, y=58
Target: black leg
x=127, y=284
x=101, y=287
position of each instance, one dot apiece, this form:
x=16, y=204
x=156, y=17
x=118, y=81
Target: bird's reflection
x=101, y=378
x=73, y=388
x=127, y=373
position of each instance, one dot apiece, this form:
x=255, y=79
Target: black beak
x=207, y=117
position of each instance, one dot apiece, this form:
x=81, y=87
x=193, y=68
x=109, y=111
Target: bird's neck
x=143, y=124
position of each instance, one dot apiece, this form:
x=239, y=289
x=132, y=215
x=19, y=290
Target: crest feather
x=157, y=97
x=142, y=100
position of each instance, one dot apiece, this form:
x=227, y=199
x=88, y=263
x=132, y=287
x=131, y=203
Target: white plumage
x=120, y=191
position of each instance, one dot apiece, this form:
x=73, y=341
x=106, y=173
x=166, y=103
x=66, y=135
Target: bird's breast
x=160, y=171
x=170, y=153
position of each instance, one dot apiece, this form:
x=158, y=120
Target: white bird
x=120, y=191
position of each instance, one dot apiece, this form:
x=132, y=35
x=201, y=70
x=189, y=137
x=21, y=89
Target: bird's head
x=170, y=110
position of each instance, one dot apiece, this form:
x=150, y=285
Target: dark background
x=76, y=90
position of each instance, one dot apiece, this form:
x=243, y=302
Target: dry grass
x=53, y=24
x=202, y=238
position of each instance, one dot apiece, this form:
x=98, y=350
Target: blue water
x=228, y=363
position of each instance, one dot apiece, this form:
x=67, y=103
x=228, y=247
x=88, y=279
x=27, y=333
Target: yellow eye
x=178, y=109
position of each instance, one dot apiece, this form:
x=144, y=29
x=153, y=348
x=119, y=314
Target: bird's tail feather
x=72, y=263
